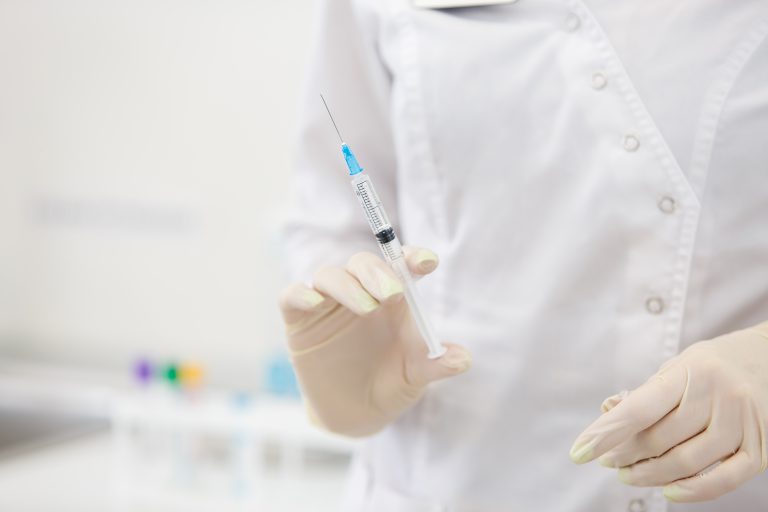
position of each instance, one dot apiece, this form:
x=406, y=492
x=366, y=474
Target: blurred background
x=145, y=157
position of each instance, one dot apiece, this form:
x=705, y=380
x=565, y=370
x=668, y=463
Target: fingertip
x=298, y=300
x=421, y=260
x=625, y=475
x=583, y=451
x=301, y=297
x=427, y=263
x=612, y=401
x=393, y=299
x=389, y=290
x=345, y=289
x=457, y=359
x=364, y=305
x=673, y=493
x=311, y=299
x=376, y=277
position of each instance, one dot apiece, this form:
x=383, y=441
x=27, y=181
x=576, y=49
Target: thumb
x=614, y=400
x=421, y=371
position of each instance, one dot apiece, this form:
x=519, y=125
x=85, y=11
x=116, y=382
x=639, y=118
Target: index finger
x=642, y=408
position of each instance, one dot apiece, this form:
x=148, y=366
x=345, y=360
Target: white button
x=636, y=505
x=654, y=305
x=572, y=23
x=631, y=143
x=667, y=204
x=599, y=81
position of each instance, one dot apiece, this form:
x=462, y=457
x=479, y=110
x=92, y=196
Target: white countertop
x=75, y=476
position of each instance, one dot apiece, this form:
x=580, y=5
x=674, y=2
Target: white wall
x=145, y=149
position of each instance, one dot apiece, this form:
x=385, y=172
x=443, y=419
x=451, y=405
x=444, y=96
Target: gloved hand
x=699, y=427
x=358, y=355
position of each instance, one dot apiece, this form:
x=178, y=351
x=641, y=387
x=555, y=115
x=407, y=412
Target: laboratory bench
x=83, y=441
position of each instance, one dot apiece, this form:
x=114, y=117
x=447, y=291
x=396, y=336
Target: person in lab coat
x=593, y=176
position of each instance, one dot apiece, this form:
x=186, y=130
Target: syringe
x=390, y=245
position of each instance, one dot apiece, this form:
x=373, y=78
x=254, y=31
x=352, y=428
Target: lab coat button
x=667, y=204
x=654, y=305
x=631, y=143
x=636, y=505
x=599, y=81
x=572, y=23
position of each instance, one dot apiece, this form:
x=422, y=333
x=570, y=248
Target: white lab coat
x=594, y=177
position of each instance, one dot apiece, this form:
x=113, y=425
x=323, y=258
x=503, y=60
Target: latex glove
x=359, y=357
x=699, y=427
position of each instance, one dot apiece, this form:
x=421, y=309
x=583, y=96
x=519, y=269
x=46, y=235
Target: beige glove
x=359, y=357
x=699, y=427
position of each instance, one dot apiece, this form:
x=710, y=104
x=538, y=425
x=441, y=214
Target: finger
x=724, y=478
x=612, y=401
x=376, y=276
x=341, y=286
x=755, y=440
x=675, y=428
x=683, y=461
x=298, y=300
x=749, y=461
x=421, y=261
x=641, y=409
x=420, y=371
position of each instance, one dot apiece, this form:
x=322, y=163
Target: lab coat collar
x=446, y=4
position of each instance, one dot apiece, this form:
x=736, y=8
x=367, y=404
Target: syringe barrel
x=436, y=349
x=369, y=200
x=393, y=253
